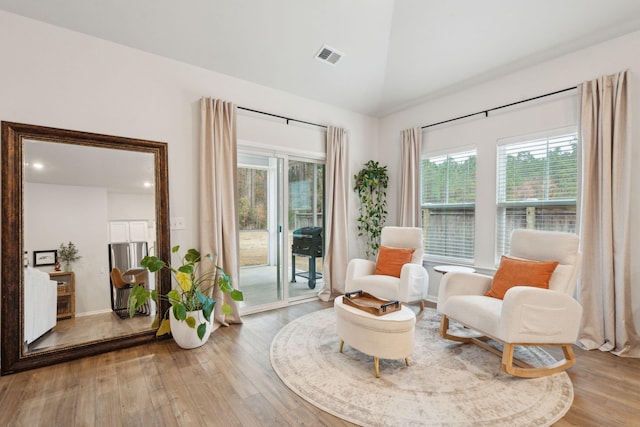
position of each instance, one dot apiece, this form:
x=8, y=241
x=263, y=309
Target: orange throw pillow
x=391, y=260
x=519, y=272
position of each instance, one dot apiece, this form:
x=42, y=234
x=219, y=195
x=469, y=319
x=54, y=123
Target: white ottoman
x=389, y=336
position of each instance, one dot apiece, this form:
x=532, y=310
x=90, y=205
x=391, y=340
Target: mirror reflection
x=101, y=202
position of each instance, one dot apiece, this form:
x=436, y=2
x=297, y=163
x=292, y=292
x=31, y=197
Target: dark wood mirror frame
x=12, y=358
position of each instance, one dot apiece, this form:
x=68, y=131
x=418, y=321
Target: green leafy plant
x=192, y=294
x=68, y=253
x=371, y=185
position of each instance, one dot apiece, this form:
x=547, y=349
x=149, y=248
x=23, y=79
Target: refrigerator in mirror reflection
x=127, y=259
x=127, y=256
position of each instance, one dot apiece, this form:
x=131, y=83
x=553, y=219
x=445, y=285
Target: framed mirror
x=106, y=195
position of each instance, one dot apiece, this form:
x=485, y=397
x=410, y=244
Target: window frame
x=502, y=205
x=469, y=243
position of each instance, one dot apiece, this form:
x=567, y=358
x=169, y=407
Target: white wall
x=131, y=207
x=56, y=214
x=59, y=78
x=548, y=113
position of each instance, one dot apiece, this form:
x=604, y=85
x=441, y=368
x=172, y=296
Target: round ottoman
x=389, y=336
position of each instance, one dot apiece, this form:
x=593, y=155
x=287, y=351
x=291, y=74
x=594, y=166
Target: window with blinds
x=536, y=187
x=448, y=206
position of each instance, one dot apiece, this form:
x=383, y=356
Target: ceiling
x=396, y=53
x=79, y=165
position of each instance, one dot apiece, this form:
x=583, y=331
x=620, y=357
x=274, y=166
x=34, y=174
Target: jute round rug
x=445, y=384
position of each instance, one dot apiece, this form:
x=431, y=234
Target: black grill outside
x=307, y=241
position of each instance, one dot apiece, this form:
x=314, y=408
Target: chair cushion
x=391, y=260
x=381, y=286
x=478, y=312
x=519, y=272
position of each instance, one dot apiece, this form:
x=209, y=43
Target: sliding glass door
x=275, y=270
x=260, y=219
x=306, y=227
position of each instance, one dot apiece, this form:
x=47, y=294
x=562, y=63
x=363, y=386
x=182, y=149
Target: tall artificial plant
x=371, y=185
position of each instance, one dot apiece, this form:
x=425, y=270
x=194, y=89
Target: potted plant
x=191, y=305
x=371, y=185
x=68, y=254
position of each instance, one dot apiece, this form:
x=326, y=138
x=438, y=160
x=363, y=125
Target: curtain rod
x=288, y=119
x=486, y=112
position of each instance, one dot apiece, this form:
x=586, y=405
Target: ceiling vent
x=329, y=55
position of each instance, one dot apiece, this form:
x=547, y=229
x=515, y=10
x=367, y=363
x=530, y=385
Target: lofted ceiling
x=396, y=53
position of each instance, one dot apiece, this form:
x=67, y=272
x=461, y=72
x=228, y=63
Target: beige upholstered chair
x=412, y=284
x=527, y=315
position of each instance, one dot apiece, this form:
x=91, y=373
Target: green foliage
x=252, y=198
x=449, y=181
x=528, y=176
x=543, y=178
x=193, y=293
x=371, y=185
x=68, y=253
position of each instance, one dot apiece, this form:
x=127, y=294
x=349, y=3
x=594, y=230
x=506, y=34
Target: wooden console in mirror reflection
x=66, y=293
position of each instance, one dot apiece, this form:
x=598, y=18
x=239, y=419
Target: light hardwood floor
x=84, y=329
x=229, y=382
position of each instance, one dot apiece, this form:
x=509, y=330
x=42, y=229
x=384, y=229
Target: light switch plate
x=177, y=223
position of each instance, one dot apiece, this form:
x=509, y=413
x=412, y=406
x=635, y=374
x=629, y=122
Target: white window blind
x=448, y=206
x=536, y=187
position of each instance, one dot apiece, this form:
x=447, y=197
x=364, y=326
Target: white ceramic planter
x=185, y=336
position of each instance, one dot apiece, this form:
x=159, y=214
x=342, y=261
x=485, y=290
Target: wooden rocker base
x=509, y=364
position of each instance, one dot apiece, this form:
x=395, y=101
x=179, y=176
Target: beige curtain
x=411, y=143
x=336, y=256
x=605, y=286
x=219, y=231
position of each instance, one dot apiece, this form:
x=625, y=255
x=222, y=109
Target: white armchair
x=413, y=282
x=526, y=315
x=40, y=304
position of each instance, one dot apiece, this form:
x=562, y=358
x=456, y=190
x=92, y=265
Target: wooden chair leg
x=376, y=365
x=444, y=327
x=567, y=349
x=507, y=358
